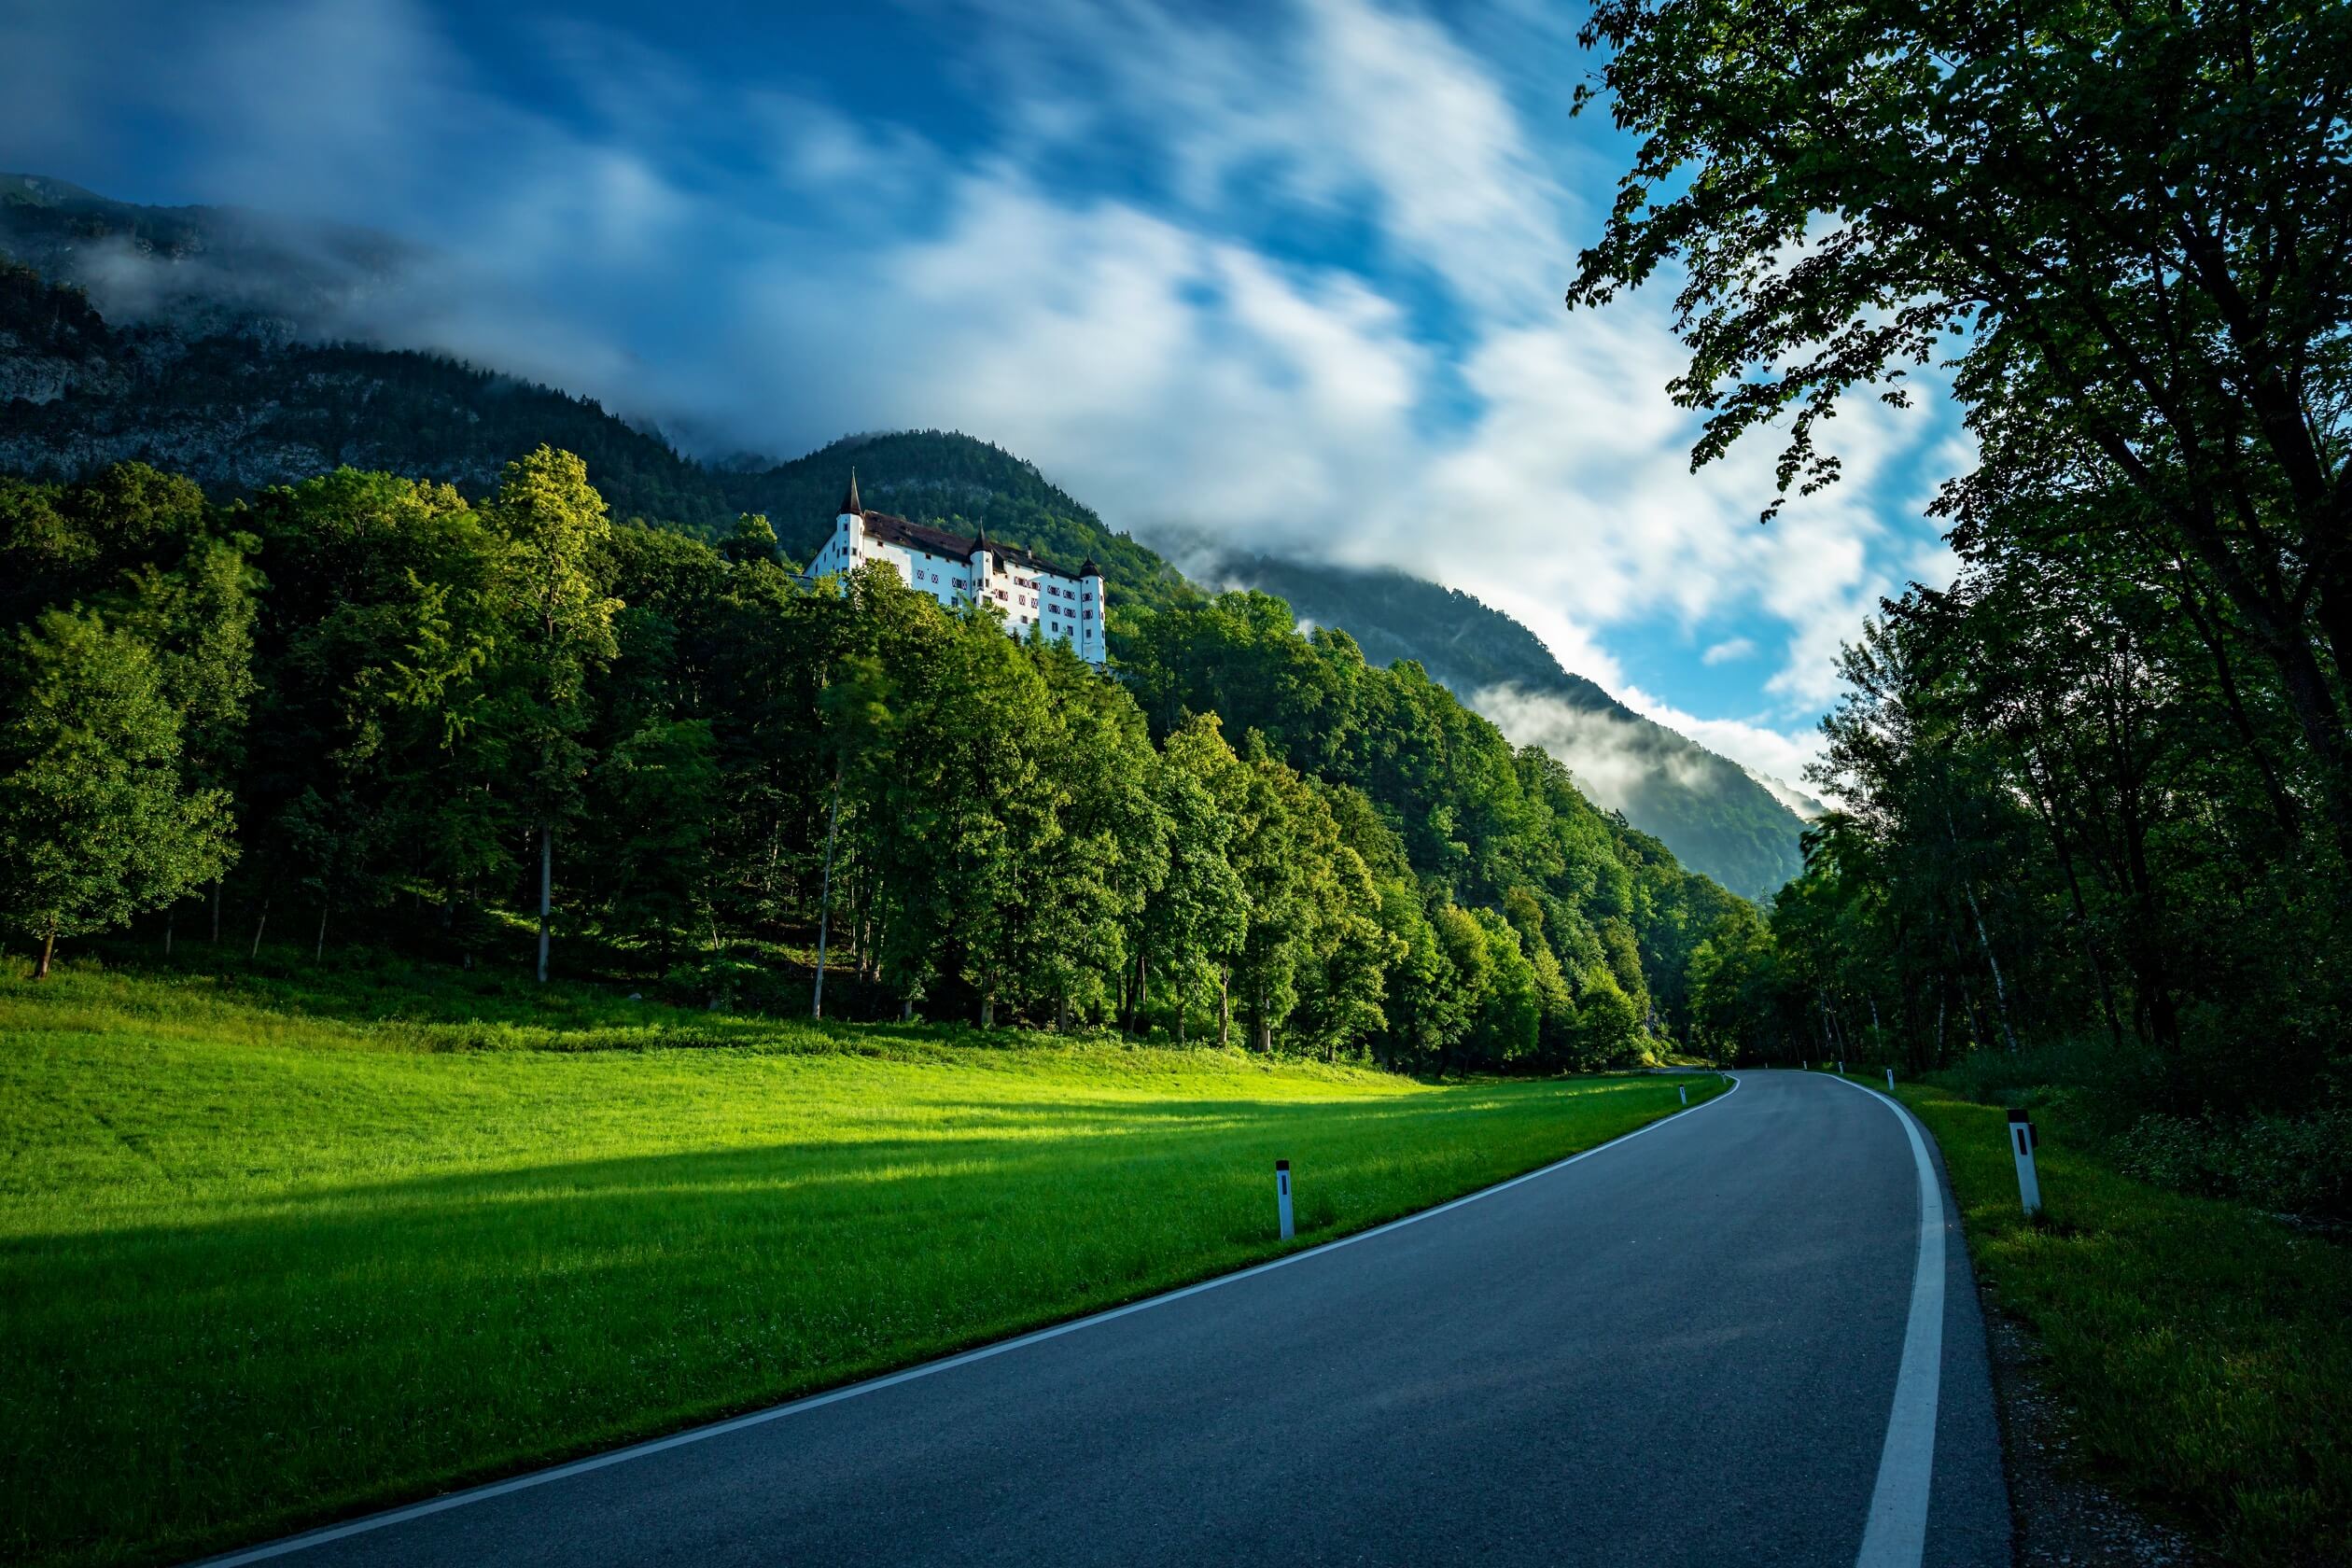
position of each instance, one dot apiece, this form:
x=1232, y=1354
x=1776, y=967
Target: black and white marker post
x=1282, y=1195
x=2022, y=1145
x=1890, y=1080
x=1685, y=1092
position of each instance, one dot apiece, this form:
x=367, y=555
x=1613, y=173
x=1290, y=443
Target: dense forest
x=1718, y=819
x=221, y=382
x=364, y=708
x=2098, y=793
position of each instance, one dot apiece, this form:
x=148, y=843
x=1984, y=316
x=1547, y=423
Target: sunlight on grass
x=278, y=1264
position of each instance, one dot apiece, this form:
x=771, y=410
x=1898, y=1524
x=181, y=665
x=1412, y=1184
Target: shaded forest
x=366, y=710
x=2098, y=793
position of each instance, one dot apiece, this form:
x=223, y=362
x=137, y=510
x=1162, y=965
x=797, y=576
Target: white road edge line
x=1897, y=1535
x=906, y=1374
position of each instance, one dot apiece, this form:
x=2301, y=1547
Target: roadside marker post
x=1685, y=1092
x=1282, y=1195
x=2022, y=1145
x=1890, y=1080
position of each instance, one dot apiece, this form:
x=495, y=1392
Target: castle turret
x=848, y=529
x=1093, y=636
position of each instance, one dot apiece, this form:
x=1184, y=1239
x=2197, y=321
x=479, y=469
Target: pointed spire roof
x=849, y=501
x=1090, y=570
x=980, y=539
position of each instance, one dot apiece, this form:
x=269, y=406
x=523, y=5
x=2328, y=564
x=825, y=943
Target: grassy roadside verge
x=263, y=1267
x=2205, y=1350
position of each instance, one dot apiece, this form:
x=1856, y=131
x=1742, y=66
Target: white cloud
x=1728, y=650
x=1772, y=755
x=1180, y=350
x=1612, y=758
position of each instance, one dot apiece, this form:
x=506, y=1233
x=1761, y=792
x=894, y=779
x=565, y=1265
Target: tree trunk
x=1979, y=1035
x=2000, y=987
x=988, y=1009
x=1061, y=1014
x=1183, y=1013
x=1225, y=1007
x=326, y=900
x=824, y=899
x=2282, y=804
x=216, y=911
x=2045, y=802
x=260, y=925
x=547, y=891
x=49, y=946
x=171, y=917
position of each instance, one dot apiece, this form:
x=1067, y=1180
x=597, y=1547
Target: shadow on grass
x=1246, y=1135
x=337, y=1349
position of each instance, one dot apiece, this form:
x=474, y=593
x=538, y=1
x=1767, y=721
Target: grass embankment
x=2205, y=1349
x=260, y=1267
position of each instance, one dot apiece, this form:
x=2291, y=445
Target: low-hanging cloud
x=762, y=270
x=1615, y=759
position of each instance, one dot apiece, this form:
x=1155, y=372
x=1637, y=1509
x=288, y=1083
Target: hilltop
x=191, y=337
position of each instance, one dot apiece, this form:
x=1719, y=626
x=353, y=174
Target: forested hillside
x=1718, y=819
x=238, y=411
x=210, y=385
x=511, y=731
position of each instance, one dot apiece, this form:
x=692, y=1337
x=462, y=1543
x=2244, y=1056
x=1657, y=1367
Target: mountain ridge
x=215, y=387
x=1714, y=813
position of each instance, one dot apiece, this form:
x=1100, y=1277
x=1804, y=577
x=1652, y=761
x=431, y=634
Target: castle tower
x=1093, y=636
x=850, y=526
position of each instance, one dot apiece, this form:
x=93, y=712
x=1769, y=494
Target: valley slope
x=213, y=369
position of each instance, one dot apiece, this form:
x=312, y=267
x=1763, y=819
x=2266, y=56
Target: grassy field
x=2205, y=1350
x=272, y=1251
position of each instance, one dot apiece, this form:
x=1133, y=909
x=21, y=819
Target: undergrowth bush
x=2290, y=1165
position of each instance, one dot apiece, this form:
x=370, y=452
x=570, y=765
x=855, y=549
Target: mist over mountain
x=200, y=268
x=1715, y=815
x=245, y=351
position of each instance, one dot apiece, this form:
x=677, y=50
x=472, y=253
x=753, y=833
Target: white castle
x=956, y=570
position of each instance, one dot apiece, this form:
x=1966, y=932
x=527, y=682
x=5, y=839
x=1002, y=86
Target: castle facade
x=956, y=570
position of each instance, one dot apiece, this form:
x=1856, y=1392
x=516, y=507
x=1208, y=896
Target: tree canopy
x=438, y=724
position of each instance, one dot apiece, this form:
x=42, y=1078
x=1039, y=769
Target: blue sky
x=1284, y=274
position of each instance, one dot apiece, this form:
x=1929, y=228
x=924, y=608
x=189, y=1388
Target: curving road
x=1712, y=1342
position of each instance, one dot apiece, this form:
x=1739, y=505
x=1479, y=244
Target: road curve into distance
x=1720, y=1340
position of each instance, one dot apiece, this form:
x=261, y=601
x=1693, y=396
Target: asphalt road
x=1681, y=1349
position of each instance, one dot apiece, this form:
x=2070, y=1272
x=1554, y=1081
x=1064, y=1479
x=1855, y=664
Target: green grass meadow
x=275, y=1252
x=2205, y=1349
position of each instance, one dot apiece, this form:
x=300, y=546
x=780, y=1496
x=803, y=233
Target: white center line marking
x=1897, y=1535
